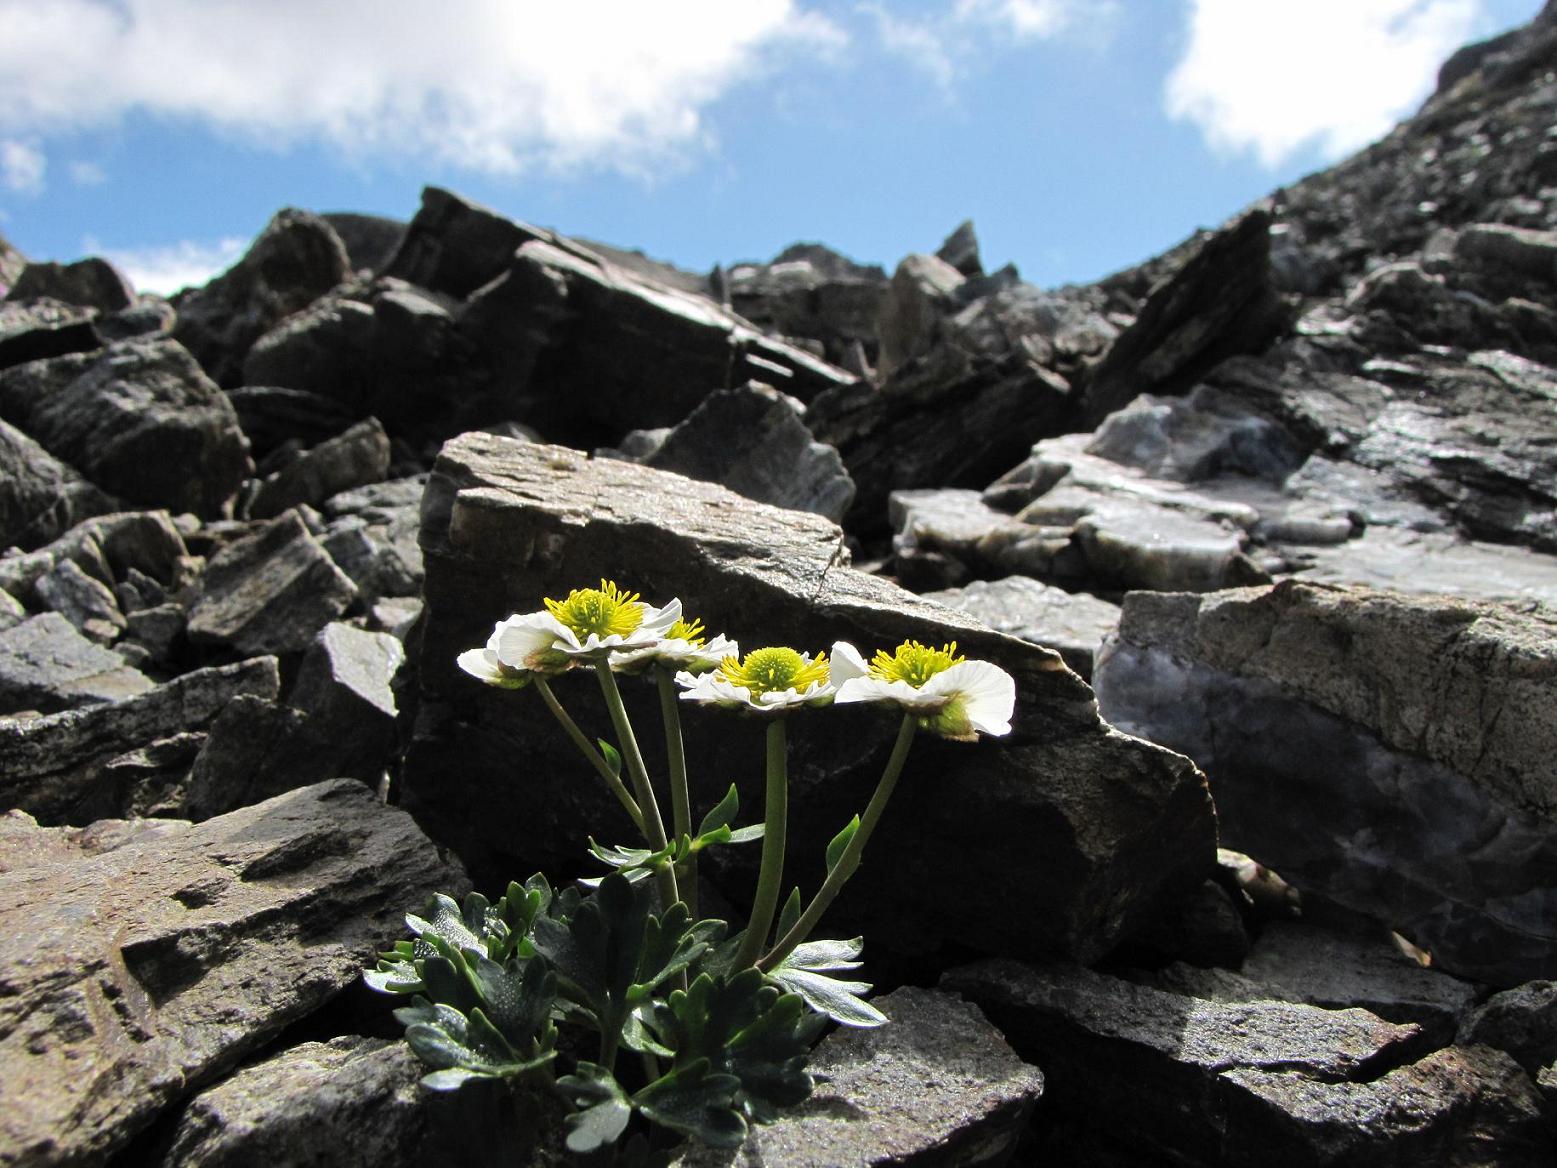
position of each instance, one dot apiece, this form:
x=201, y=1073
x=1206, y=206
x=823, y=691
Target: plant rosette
x=949, y=695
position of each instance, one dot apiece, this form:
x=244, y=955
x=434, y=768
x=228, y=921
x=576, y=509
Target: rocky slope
x=1285, y=495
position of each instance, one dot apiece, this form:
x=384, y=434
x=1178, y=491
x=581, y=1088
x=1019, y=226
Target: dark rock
x=154, y=777
x=53, y=766
x=86, y=603
x=88, y=283
x=344, y=686
x=1187, y=1081
x=1427, y=732
x=44, y=328
x=110, y=549
x=150, y=958
x=1205, y=929
x=293, y=262
x=46, y=665
x=271, y=415
x=923, y=294
x=1073, y=624
x=270, y=592
x=354, y=458
x=139, y=419
x=1521, y=1021
x=812, y=292
x=960, y=249
x=454, y=246
x=371, y=535
x=1217, y=305
x=40, y=496
x=370, y=240
x=324, y=350
x=504, y=525
x=936, y=1086
x=256, y=748
x=754, y=440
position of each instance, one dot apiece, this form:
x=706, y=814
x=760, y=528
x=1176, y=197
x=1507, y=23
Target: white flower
x=951, y=696
x=771, y=680
x=586, y=627
x=682, y=647
x=484, y=665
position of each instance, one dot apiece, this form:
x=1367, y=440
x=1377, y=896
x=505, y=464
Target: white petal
x=657, y=621
x=987, y=691
x=846, y=664
x=480, y=664
x=876, y=689
x=517, y=639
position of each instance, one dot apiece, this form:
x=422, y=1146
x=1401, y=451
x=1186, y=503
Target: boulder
x=960, y=249
x=40, y=496
x=111, y=549
x=139, y=419
x=89, y=283
x=55, y=767
x=272, y=416
x=811, y=292
x=344, y=685
x=935, y=1086
x=1073, y=624
x=370, y=533
x=355, y=457
x=87, y=603
x=1089, y=830
x=152, y=956
x=270, y=592
x=293, y=262
x=1392, y=752
x=370, y=240
x=1171, y=1079
x=46, y=665
x=454, y=246
x=37, y=329
x=1521, y=1021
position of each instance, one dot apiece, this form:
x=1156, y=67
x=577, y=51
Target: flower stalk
x=770, y=875
x=596, y=760
x=680, y=797
x=653, y=823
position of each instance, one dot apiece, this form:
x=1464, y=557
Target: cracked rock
x=46, y=665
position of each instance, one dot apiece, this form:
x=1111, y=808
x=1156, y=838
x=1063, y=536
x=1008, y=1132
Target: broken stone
x=1401, y=777
x=270, y=592
x=46, y=665
x=935, y=1086
x=53, y=766
x=344, y=687
x=44, y=328
x=1521, y=1021
x=86, y=603
x=810, y=291
x=961, y=250
x=1073, y=624
x=492, y=504
x=1205, y=929
x=272, y=416
x=371, y=534
x=88, y=283
x=40, y=496
x=455, y=246
x=353, y=458
x=148, y=960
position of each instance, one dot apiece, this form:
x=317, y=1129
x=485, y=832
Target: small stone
x=46, y=665
x=354, y=458
x=87, y=603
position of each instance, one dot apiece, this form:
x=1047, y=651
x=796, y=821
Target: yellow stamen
x=914, y=663
x=690, y=631
x=773, y=670
x=604, y=611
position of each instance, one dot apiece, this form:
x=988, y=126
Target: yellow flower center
x=605, y=611
x=690, y=631
x=913, y=662
x=773, y=670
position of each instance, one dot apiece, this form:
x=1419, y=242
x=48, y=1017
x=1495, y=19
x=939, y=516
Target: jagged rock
x=46, y=665
x=923, y=293
x=139, y=419
x=11, y=264
x=754, y=440
x=1073, y=624
x=354, y=458
x=108, y=548
x=88, y=283
x=1204, y=929
x=44, y=328
x=11, y=611
x=370, y=240
x=371, y=535
x=148, y=959
x=325, y=350
x=1173, y=1079
x=344, y=686
x=293, y=262
x=271, y=591
x=272, y=415
x=454, y=246
x=960, y=249
x=1521, y=1021
x=1427, y=735
x=155, y=776
x=936, y=1086
x=812, y=292
x=53, y=766
x=1217, y=305
x=40, y=496
x=86, y=603
x=504, y=524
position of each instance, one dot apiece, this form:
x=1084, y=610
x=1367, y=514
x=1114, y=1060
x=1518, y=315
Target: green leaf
x=695, y=1101
x=722, y=814
x=449, y=1040
x=394, y=977
x=517, y=997
x=840, y=842
x=603, y=1107
x=612, y=758
x=789, y=914
x=745, y=835
x=807, y=972
x=625, y=858
x=445, y=920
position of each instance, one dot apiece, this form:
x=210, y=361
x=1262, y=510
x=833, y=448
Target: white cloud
x=949, y=44
x=1274, y=77
x=87, y=174
x=492, y=85
x=1024, y=19
x=166, y=269
x=22, y=167
x=922, y=44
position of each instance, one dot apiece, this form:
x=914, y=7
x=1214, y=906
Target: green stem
x=653, y=824
x=680, y=797
x=629, y=804
x=850, y=860
x=775, y=827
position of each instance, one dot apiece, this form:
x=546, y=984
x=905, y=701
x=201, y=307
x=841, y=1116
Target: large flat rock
x=1086, y=830
x=148, y=957
x=1391, y=751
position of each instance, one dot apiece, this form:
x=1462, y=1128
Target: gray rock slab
x=1073, y=624
x=270, y=592
x=1088, y=830
x=41, y=497
x=139, y=419
x=1521, y=1021
x=935, y=1086
x=44, y=328
x=86, y=602
x=150, y=959
x=1392, y=752
x=53, y=766
x=46, y=665
x=354, y=458
x=1188, y=1081
x=89, y=283
x=108, y=548
x=371, y=534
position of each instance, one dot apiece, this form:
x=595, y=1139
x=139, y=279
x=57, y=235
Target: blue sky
x=1081, y=136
